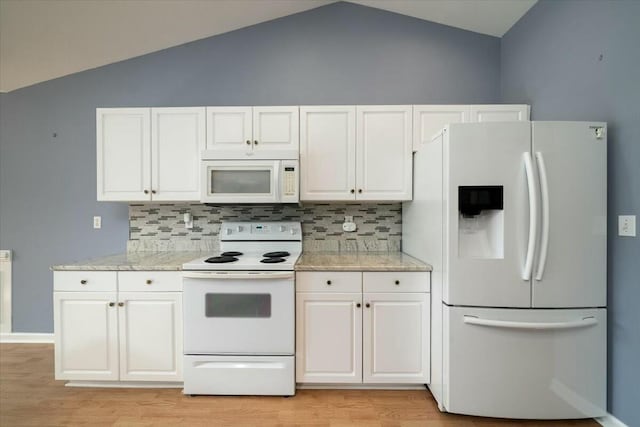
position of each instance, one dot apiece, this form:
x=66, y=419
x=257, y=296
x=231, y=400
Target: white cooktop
x=253, y=240
x=245, y=262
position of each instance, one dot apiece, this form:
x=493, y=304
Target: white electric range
x=239, y=312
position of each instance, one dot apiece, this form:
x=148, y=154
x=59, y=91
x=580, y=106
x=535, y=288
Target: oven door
x=246, y=181
x=239, y=312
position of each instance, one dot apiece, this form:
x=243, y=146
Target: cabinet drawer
x=400, y=281
x=329, y=281
x=94, y=281
x=152, y=281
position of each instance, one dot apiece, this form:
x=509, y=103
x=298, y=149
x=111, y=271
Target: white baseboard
x=610, y=421
x=316, y=386
x=125, y=384
x=26, y=338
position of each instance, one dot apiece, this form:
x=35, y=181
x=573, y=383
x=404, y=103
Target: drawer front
x=239, y=375
x=150, y=281
x=329, y=281
x=93, y=281
x=397, y=281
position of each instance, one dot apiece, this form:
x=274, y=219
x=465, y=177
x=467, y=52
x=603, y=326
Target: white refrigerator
x=512, y=217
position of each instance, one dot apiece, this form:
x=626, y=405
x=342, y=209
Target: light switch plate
x=627, y=225
x=97, y=222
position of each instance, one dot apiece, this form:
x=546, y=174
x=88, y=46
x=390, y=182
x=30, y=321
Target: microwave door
x=230, y=182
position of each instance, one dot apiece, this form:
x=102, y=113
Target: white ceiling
x=44, y=39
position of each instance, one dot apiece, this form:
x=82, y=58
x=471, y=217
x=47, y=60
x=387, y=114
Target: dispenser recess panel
x=474, y=199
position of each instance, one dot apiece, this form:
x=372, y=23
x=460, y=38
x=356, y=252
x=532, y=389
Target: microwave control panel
x=289, y=182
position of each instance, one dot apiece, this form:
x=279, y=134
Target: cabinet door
x=150, y=336
x=396, y=338
x=327, y=137
x=430, y=119
x=86, y=335
x=383, y=152
x=177, y=138
x=328, y=337
x=229, y=129
x=123, y=154
x=499, y=113
x=276, y=128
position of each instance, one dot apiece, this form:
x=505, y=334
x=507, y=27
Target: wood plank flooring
x=29, y=396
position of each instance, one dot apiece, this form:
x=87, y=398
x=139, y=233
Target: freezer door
x=571, y=269
x=486, y=214
x=533, y=364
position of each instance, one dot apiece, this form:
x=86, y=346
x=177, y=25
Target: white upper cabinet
x=252, y=130
x=123, y=153
x=428, y=120
x=177, y=138
x=146, y=154
x=383, y=152
x=327, y=153
x=355, y=153
x=499, y=113
x=229, y=128
x=275, y=128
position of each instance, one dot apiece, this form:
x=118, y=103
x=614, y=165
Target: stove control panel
x=268, y=230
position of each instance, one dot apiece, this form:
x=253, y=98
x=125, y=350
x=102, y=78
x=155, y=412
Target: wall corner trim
x=610, y=421
x=26, y=338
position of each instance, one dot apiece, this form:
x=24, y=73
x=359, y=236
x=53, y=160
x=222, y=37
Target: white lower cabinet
x=346, y=334
x=105, y=335
x=150, y=328
x=86, y=335
x=329, y=337
x=396, y=338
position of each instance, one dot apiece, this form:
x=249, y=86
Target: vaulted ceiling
x=44, y=39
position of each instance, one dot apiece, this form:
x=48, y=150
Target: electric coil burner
x=231, y=253
x=239, y=312
x=280, y=254
x=220, y=259
x=272, y=260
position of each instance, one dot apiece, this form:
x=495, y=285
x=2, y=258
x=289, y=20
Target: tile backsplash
x=161, y=226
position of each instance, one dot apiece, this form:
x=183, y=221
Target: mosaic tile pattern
x=379, y=224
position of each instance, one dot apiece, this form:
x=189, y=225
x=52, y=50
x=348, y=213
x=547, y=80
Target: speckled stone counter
x=359, y=261
x=132, y=261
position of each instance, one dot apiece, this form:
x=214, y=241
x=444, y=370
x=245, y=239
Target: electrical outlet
x=627, y=225
x=348, y=225
x=97, y=222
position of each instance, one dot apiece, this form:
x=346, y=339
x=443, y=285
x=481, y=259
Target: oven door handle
x=240, y=275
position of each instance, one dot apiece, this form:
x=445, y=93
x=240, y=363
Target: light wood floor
x=29, y=396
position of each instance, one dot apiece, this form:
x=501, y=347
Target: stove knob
x=239, y=229
x=227, y=231
x=292, y=231
x=282, y=228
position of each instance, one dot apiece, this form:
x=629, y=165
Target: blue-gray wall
x=551, y=59
x=337, y=54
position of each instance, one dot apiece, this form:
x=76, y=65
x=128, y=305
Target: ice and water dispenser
x=480, y=221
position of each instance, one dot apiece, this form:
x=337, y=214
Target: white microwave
x=249, y=181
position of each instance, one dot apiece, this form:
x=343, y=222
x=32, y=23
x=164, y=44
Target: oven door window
x=240, y=181
x=237, y=305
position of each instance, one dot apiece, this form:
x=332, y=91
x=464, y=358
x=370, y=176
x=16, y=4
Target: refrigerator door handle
x=544, y=191
x=581, y=323
x=533, y=216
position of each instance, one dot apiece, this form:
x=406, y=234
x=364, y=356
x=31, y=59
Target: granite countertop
x=169, y=261
x=359, y=261
x=310, y=261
